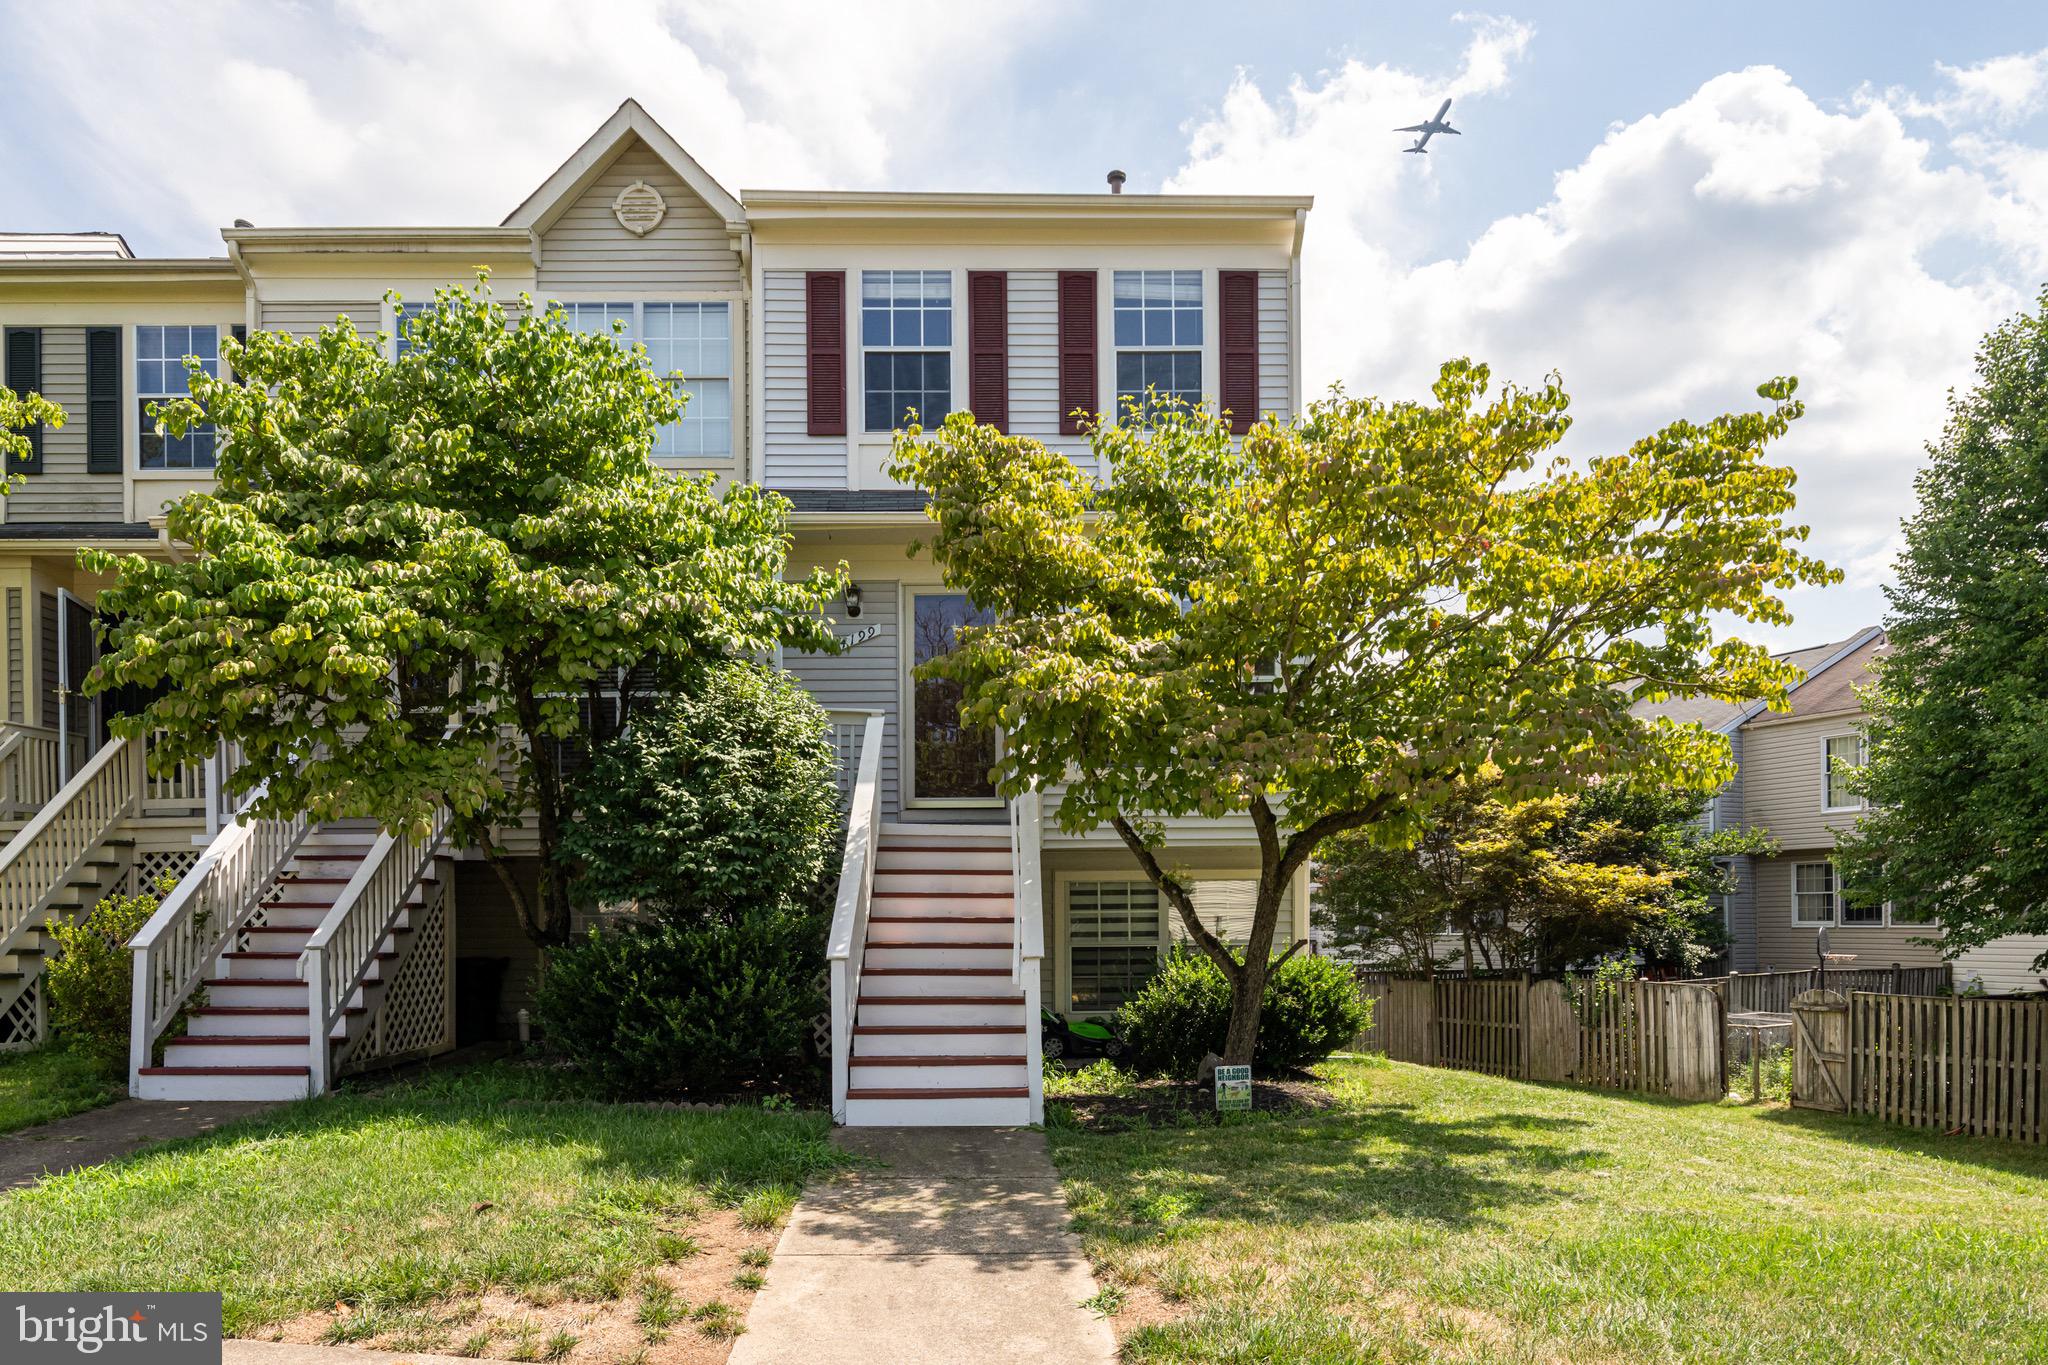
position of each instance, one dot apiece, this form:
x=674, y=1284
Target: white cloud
x=1744, y=233
x=388, y=111
x=2000, y=90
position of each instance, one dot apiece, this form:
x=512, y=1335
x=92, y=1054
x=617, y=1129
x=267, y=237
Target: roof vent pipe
x=1116, y=182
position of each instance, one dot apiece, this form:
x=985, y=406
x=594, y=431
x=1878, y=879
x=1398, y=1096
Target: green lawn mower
x=1064, y=1039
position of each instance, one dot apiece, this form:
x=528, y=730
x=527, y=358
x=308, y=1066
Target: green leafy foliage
x=16, y=412
x=1329, y=624
x=661, y=1006
x=91, y=980
x=722, y=795
x=1958, y=770
x=409, y=575
x=1544, y=884
x=1311, y=1008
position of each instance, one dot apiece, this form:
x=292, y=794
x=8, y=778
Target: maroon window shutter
x=1078, y=389
x=1240, y=346
x=825, y=351
x=988, y=347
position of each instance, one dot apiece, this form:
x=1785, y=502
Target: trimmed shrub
x=1312, y=1008
x=92, y=980
x=716, y=799
x=662, y=1006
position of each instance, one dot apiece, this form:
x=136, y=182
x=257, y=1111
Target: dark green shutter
x=24, y=375
x=103, y=400
x=241, y=334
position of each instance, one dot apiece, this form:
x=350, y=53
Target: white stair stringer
x=939, y=1036
x=250, y=1036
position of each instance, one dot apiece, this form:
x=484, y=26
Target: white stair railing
x=342, y=952
x=31, y=768
x=846, y=944
x=53, y=846
x=199, y=920
x=1027, y=938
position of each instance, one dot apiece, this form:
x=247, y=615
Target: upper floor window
x=1157, y=321
x=160, y=375
x=402, y=317
x=691, y=340
x=906, y=336
x=1841, y=755
x=694, y=340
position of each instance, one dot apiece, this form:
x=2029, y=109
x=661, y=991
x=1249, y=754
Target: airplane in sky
x=1429, y=128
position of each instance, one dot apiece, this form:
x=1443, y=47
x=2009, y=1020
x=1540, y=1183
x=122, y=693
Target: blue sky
x=1668, y=204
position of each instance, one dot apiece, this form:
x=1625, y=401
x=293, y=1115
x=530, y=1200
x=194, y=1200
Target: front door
x=949, y=762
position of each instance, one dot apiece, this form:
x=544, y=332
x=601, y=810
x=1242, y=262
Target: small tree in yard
x=411, y=573
x=1958, y=772
x=1328, y=625
x=1546, y=884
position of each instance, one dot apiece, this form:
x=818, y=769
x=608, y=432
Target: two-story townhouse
x=1792, y=783
x=805, y=325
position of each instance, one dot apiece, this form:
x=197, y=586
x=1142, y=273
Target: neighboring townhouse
x=805, y=324
x=1792, y=782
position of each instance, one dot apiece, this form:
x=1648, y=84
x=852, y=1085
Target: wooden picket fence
x=1961, y=1065
x=1773, y=992
x=1665, y=1038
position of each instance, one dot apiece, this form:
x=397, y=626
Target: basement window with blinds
x=1112, y=942
x=1157, y=321
x=160, y=376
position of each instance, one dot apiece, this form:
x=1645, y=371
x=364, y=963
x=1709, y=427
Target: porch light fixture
x=852, y=601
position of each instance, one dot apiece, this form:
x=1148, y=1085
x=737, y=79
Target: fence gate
x=1820, y=1051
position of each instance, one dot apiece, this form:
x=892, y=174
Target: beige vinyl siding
x=865, y=677
x=2005, y=965
x=587, y=252
x=1276, y=358
x=1781, y=780
x=305, y=318
x=790, y=456
x=64, y=491
x=1035, y=365
x=1784, y=946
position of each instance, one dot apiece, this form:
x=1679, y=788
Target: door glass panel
x=949, y=761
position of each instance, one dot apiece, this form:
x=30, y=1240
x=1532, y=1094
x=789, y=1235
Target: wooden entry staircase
x=935, y=949
x=295, y=936
x=940, y=1029
x=68, y=856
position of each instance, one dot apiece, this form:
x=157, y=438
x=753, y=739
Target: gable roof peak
x=628, y=122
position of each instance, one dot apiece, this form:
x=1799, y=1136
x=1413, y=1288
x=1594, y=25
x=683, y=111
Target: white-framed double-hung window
x=906, y=338
x=1818, y=898
x=1156, y=320
x=160, y=376
x=689, y=343
x=1840, y=757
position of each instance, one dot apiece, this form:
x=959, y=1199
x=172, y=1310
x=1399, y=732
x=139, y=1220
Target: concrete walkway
x=954, y=1249
x=108, y=1132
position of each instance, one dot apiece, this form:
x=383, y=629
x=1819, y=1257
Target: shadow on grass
x=1361, y=1162
x=1869, y=1132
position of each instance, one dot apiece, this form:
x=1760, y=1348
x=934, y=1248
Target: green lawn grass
x=1441, y=1215
x=50, y=1083
x=387, y=1199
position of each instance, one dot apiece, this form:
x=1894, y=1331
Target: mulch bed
x=1177, y=1104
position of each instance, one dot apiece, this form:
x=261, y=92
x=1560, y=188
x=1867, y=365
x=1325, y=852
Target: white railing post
x=141, y=1042
x=319, y=1052
x=1027, y=951
x=846, y=942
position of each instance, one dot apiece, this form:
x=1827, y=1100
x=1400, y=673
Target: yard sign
x=1233, y=1088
